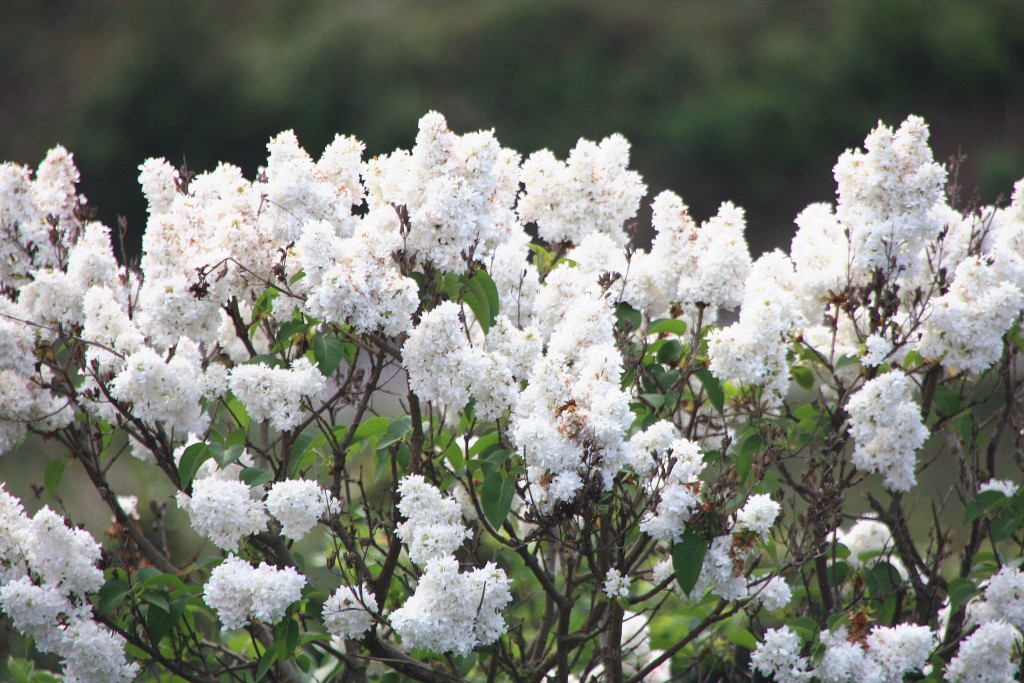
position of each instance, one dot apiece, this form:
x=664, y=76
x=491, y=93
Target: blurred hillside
x=749, y=101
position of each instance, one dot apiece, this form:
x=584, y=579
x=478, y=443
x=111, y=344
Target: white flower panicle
x=773, y=594
x=712, y=261
x=240, y=593
x=966, y=325
x=224, y=511
x=752, y=351
x=439, y=358
x=94, y=654
x=989, y=655
x=1003, y=599
x=779, y=656
x=887, y=429
x=161, y=391
x=758, y=514
x=433, y=526
x=886, y=195
x=590, y=191
x=276, y=394
x=299, y=504
x=348, y=613
x=677, y=487
x=458, y=192
x=616, y=585
x=453, y=612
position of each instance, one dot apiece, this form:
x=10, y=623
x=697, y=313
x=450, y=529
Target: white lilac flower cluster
x=885, y=654
x=590, y=191
x=458, y=192
x=433, y=523
x=226, y=510
x=869, y=542
x=675, y=483
x=887, y=429
x=886, y=196
x=348, y=613
x=452, y=611
x=240, y=593
x=276, y=394
x=752, y=351
x=615, y=584
x=46, y=573
x=449, y=611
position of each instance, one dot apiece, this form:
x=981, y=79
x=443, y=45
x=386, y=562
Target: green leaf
x=1004, y=525
x=254, y=476
x=328, y=352
x=396, y=431
x=804, y=627
x=688, y=558
x=656, y=401
x=54, y=473
x=286, y=638
x=627, y=315
x=946, y=401
x=191, y=460
x=111, y=595
x=158, y=624
x=960, y=591
x=266, y=661
x=803, y=377
x=668, y=326
x=375, y=426
x=482, y=298
x=670, y=352
x=496, y=496
x=226, y=456
x=845, y=361
x=713, y=387
x=743, y=638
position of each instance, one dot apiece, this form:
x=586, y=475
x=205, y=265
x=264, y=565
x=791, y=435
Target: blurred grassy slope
x=749, y=101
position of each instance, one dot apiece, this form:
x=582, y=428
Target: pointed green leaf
x=191, y=460
x=111, y=595
x=328, y=351
x=803, y=377
x=669, y=326
x=688, y=558
x=713, y=387
x=54, y=473
x=496, y=496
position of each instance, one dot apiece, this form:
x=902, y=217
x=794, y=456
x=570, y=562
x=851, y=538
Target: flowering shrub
x=432, y=416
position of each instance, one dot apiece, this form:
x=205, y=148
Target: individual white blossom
x=989, y=655
x=273, y=590
x=887, y=429
x=276, y=394
x=348, y=613
x=64, y=558
x=453, y=612
x=223, y=511
x=678, y=491
x=229, y=592
x=896, y=651
x=164, y=391
x=298, y=504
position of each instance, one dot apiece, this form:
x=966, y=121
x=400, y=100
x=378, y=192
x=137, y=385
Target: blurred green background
x=749, y=100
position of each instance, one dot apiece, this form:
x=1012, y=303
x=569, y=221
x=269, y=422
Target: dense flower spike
x=443, y=383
